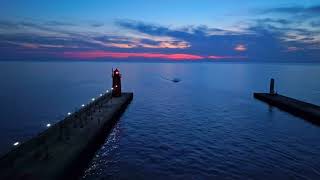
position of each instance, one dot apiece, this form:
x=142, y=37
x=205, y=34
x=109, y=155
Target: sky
x=166, y=30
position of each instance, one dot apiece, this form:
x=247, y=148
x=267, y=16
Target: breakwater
x=296, y=107
x=63, y=150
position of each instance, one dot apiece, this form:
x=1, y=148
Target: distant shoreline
x=164, y=61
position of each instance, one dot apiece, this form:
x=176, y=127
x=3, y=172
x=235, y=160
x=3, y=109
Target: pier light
x=100, y=95
x=16, y=143
x=107, y=91
x=92, y=99
x=48, y=125
x=69, y=113
x=82, y=105
x=112, y=88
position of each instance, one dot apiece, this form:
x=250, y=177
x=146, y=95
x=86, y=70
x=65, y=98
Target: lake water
x=208, y=126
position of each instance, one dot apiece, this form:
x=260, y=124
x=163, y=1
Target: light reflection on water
x=102, y=158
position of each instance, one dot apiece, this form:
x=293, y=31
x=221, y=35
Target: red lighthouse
x=116, y=83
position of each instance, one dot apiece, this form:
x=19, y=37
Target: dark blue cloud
x=97, y=24
x=59, y=23
x=295, y=9
x=315, y=23
x=275, y=20
x=265, y=41
x=5, y=25
x=143, y=27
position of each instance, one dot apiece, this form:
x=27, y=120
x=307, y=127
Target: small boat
x=175, y=80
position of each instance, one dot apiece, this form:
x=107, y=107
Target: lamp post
x=111, y=95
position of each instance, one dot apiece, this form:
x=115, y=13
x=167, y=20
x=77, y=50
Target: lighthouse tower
x=116, y=83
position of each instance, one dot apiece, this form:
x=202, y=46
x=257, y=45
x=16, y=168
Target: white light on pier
x=100, y=95
x=82, y=105
x=48, y=125
x=107, y=91
x=112, y=88
x=69, y=113
x=92, y=99
x=16, y=143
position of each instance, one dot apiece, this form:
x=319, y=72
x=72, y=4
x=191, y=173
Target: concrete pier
x=64, y=150
x=302, y=109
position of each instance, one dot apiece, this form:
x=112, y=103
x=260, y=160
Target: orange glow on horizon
x=118, y=55
x=106, y=54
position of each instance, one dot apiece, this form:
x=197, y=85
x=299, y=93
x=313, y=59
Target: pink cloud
x=293, y=49
x=108, y=54
x=240, y=47
x=121, y=45
x=29, y=45
x=136, y=44
x=37, y=46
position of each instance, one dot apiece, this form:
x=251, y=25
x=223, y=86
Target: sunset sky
x=150, y=30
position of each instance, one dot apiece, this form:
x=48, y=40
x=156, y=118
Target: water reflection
x=207, y=126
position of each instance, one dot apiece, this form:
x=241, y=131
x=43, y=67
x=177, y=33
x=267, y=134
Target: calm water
x=206, y=126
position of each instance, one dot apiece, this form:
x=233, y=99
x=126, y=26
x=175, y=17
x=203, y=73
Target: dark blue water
x=207, y=126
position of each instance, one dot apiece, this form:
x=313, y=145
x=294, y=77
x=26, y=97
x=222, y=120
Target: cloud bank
x=270, y=36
